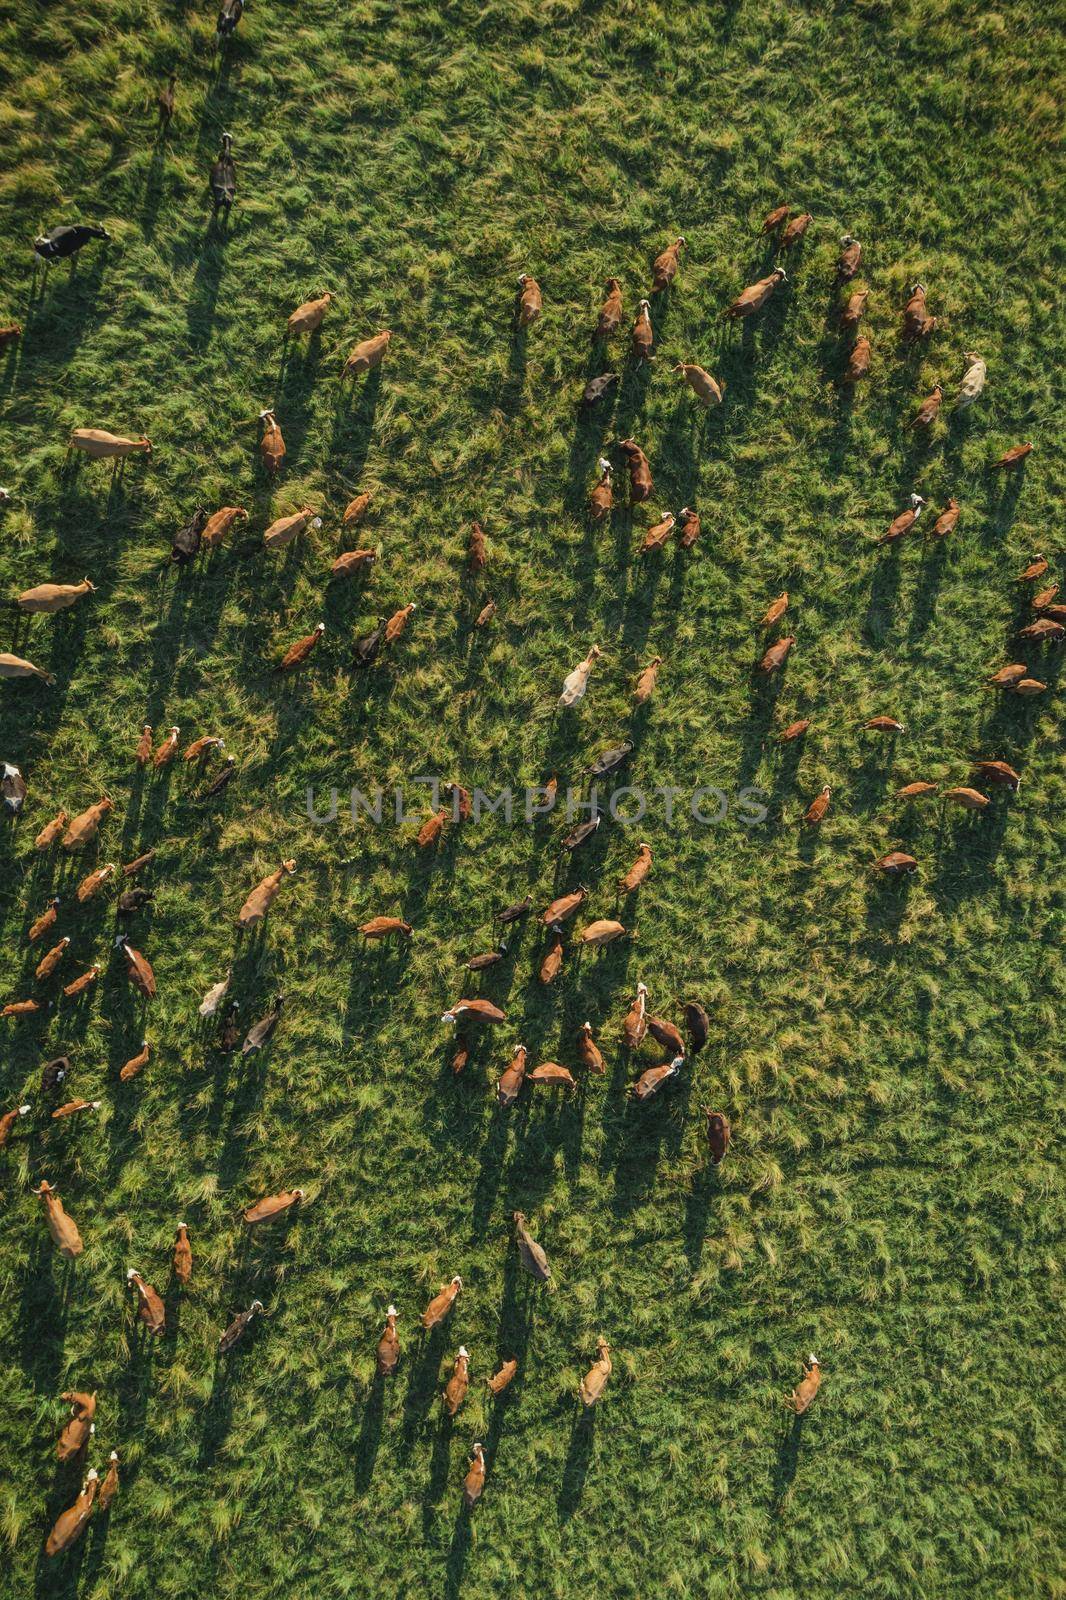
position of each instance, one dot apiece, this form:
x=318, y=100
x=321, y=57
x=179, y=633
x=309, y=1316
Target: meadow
x=887, y=1053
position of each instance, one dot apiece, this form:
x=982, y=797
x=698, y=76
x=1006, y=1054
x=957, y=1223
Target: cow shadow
x=787, y=1459
x=578, y=1461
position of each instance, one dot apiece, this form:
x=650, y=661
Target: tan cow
x=804, y=1392
x=595, y=1380
x=71, y=1524
x=63, y=1229
x=150, y=1307
x=263, y=896
x=442, y=1303
x=79, y=1426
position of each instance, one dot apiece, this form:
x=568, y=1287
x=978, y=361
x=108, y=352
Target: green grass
x=889, y=1056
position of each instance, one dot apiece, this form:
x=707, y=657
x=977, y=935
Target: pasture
x=887, y=1053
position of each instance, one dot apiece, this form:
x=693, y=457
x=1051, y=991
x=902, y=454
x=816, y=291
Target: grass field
x=888, y=1055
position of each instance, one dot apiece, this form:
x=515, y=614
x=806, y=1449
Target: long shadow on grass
x=787, y=1460
x=578, y=1461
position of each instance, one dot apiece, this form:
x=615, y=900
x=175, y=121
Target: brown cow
x=657, y=536
x=601, y=500
x=49, y=597
x=457, y=1385
x=388, y=1350
x=91, y=885
x=698, y=1024
x=474, y=1482
x=86, y=981
x=7, y=1122
x=150, y=1307
x=904, y=522
x=272, y=1205
x=645, y=684
x=755, y=296
x=100, y=445
x=818, y=806
x=50, y=832
x=182, y=1258
x=665, y=266
x=532, y=1255
x=109, y=1487
x=795, y=230
x=552, y=1076
x=915, y=791
x=773, y=220
x=201, y=748
x=635, y=1025
x=272, y=444
x=136, y=1063
x=588, y=1051
x=603, y=931
x=917, y=323
x=689, y=525
x=640, y=478
x=17, y=667
x=999, y=772
x=72, y=1108
x=138, y=968
x=650, y=1082
x=795, y=730
x=512, y=1077
x=859, y=358
x=284, y=530
x=884, y=725
x=263, y=896
x=1012, y=458
x=431, y=829
x=666, y=1034
x=350, y=562
x=239, y=1326
x=564, y=907
x=442, y=1303
x=643, y=335
x=708, y=391
x=595, y=1380
x=366, y=355
x=719, y=1134
x=808, y=1386
x=775, y=611
x=530, y=300
x=297, y=653
x=384, y=927
x=503, y=1377
x=851, y=315
x=896, y=864
x=219, y=524
x=637, y=872
x=945, y=522
x=777, y=654
x=307, y=317
x=610, y=318
x=848, y=260
x=552, y=964
x=45, y=921
x=79, y=1427
x=356, y=509
x=167, y=750
x=926, y=414
x=71, y=1524
x=968, y=799
x=84, y=827
x=477, y=1010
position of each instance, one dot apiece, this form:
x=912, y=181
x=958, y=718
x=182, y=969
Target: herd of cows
x=206, y=530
